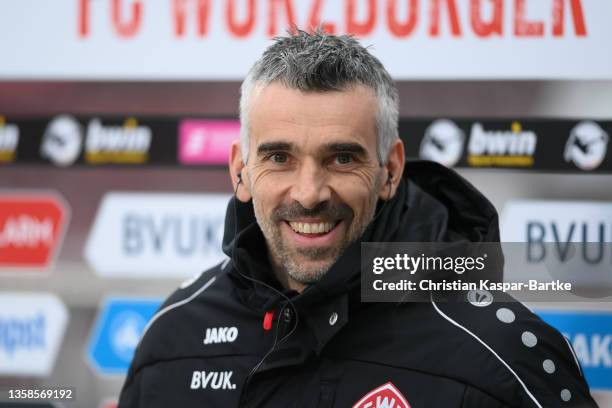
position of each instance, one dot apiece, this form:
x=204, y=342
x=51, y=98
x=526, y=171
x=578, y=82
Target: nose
x=310, y=188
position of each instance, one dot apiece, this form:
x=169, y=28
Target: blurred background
x=116, y=115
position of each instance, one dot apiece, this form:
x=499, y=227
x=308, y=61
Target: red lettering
x=130, y=27
x=240, y=29
x=315, y=19
x=83, y=13
x=360, y=28
x=434, y=26
x=559, y=16
x=272, y=15
x=488, y=28
x=400, y=29
x=180, y=13
x=522, y=27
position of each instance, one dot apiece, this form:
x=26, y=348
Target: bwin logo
x=443, y=142
x=62, y=141
x=216, y=335
x=587, y=145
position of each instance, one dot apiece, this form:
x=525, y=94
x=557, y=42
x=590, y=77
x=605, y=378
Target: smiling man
x=314, y=170
x=319, y=169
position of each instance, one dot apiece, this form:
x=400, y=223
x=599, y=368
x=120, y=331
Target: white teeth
x=314, y=228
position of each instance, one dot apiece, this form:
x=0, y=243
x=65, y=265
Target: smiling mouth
x=312, y=228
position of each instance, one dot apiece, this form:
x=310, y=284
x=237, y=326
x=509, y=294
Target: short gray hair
x=321, y=62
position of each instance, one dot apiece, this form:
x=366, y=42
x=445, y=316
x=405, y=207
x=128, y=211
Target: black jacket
x=207, y=345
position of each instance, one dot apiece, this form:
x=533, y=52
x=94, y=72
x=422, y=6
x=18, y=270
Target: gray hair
x=321, y=62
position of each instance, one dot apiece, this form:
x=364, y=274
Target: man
x=318, y=170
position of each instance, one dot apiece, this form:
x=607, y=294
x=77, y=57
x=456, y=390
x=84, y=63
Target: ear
x=238, y=171
x=393, y=170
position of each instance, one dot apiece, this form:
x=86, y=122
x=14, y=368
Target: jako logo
x=216, y=335
x=514, y=147
x=480, y=298
x=590, y=333
x=216, y=380
x=117, y=144
x=587, y=145
x=592, y=350
x=443, y=142
x=385, y=396
x=62, y=141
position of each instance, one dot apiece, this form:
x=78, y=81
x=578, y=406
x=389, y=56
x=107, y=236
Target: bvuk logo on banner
x=156, y=235
x=117, y=332
x=538, y=221
x=590, y=334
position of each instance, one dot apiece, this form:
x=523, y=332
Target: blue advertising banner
x=590, y=334
x=117, y=332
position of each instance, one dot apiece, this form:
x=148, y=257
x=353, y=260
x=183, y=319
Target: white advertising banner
x=32, y=328
x=153, y=235
x=534, y=221
x=220, y=39
x=564, y=240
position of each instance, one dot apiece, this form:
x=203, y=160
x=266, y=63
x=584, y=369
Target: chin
x=309, y=274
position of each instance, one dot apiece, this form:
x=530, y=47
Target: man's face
x=313, y=174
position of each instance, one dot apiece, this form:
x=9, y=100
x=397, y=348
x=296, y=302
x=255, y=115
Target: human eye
x=343, y=158
x=278, y=157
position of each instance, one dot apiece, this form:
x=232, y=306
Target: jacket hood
x=432, y=204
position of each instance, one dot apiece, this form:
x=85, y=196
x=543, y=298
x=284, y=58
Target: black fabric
x=337, y=350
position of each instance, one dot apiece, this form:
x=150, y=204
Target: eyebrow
x=274, y=147
x=334, y=147
x=350, y=147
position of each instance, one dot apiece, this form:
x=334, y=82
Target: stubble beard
x=308, y=265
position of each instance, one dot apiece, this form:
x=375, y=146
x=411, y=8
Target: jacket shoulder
x=177, y=325
x=196, y=285
x=534, y=356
